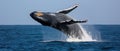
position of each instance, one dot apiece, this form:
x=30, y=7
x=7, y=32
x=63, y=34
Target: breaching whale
x=60, y=21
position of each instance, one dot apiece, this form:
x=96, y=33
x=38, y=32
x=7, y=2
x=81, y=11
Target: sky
x=16, y=12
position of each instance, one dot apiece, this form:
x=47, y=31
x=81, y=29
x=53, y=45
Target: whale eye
x=38, y=14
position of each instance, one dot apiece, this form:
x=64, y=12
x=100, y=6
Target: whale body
x=60, y=21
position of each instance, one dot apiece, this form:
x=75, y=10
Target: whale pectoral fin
x=72, y=22
x=66, y=11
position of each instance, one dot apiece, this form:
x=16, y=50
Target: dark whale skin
x=55, y=20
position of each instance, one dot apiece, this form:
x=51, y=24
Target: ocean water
x=36, y=38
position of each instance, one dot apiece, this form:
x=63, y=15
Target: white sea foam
x=85, y=37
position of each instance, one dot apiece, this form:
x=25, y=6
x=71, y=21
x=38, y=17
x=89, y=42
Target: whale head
x=41, y=17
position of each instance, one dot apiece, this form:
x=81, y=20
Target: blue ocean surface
x=31, y=37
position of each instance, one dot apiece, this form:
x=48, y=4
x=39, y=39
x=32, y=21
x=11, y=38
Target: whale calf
x=60, y=21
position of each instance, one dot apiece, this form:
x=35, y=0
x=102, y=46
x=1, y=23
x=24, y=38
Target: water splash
x=85, y=37
x=89, y=34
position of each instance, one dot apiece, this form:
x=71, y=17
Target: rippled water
x=31, y=38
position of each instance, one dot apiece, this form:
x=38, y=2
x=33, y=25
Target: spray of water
x=88, y=34
x=85, y=37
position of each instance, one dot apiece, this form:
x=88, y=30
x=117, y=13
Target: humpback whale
x=60, y=21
